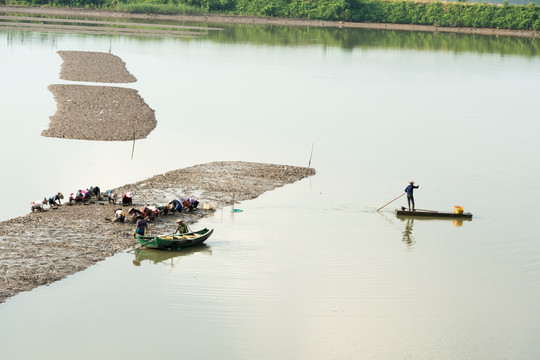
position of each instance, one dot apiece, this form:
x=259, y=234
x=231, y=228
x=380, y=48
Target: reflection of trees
x=349, y=39
x=368, y=38
x=408, y=237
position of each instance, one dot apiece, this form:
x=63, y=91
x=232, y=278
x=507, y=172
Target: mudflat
x=105, y=113
x=91, y=66
x=42, y=247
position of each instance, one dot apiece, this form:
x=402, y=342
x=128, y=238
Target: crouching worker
x=55, y=200
x=76, y=197
x=111, y=197
x=149, y=212
x=141, y=228
x=164, y=209
x=135, y=213
x=182, y=228
x=186, y=204
x=127, y=199
x=119, y=215
x=176, y=205
x=38, y=205
x=97, y=192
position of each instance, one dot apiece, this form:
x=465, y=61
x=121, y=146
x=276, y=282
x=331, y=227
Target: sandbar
x=43, y=247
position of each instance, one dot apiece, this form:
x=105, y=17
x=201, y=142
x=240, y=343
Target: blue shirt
x=141, y=224
x=409, y=189
x=176, y=204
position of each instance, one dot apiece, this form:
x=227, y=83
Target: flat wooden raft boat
x=432, y=214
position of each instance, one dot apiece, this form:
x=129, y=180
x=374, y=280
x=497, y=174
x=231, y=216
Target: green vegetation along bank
x=514, y=17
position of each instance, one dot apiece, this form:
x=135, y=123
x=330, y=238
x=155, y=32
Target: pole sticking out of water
x=133, y=147
x=311, y=155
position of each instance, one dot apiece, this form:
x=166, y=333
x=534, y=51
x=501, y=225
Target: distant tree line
x=459, y=14
x=482, y=15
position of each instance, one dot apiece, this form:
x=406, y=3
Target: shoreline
x=40, y=248
x=232, y=19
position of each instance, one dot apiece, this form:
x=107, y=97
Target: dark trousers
x=410, y=200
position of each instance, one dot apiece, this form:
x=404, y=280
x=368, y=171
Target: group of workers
x=84, y=195
x=127, y=198
x=53, y=201
x=184, y=203
x=77, y=197
x=141, y=226
x=149, y=213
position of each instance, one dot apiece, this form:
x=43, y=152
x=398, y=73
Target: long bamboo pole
x=391, y=201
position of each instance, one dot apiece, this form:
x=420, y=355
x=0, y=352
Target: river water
x=310, y=270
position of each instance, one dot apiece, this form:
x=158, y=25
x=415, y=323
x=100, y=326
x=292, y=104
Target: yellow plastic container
x=458, y=209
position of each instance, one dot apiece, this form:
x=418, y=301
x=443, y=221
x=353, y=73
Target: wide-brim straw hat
x=179, y=220
x=411, y=182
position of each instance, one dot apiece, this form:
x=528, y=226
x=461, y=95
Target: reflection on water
x=345, y=38
x=406, y=224
x=161, y=256
x=407, y=232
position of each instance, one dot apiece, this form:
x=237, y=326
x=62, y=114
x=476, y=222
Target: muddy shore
x=43, y=247
x=104, y=113
x=91, y=66
x=221, y=19
x=97, y=112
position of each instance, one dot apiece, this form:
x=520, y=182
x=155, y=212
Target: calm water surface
x=310, y=270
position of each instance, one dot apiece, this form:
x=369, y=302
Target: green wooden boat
x=169, y=242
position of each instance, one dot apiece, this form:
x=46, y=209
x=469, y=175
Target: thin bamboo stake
x=311, y=155
x=133, y=147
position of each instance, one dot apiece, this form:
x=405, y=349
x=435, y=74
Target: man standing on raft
x=409, y=190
